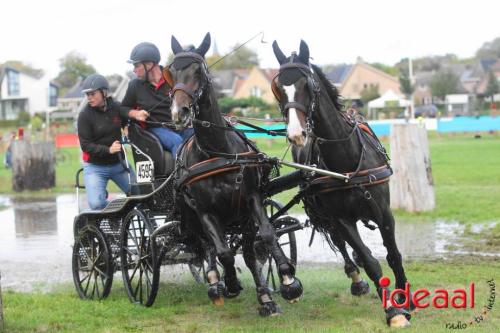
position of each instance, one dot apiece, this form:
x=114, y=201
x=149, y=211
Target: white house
x=457, y=104
x=20, y=92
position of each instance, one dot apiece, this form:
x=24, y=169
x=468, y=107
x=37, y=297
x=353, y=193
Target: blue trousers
x=96, y=179
x=169, y=139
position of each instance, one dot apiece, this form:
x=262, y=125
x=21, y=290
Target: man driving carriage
x=99, y=131
x=148, y=96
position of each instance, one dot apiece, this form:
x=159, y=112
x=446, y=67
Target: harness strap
x=185, y=88
x=367, y=177
x=212, y=167
x=236, y=198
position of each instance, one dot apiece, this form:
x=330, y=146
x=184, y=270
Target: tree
x=391, y=70
x=489, y=50
x=443, y=83
x=370, y=93
x=492, y=88
x=241, y=58
x=226, y=104
x=73, y=66
x=25, y=68
x=405, y=85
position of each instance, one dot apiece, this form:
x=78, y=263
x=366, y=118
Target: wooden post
x=33, y=165
x=1, y=306
x=412, y=185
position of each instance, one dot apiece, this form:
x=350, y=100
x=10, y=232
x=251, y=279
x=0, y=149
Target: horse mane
x=331, y=90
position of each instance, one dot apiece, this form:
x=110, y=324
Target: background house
x=228, y=80
x=23, y=92
x=351, y=80
x=74, y=100
x=457, y=104
x=257, y=84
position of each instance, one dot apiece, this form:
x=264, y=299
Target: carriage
x=140, y=233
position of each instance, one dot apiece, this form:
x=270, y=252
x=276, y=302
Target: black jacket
x=142, y=95
x=97, y=130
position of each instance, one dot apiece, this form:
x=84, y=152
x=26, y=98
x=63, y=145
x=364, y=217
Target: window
x=12, y=83
x=256, y=91
x=52, y=95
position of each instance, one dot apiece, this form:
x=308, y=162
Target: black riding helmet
x=144, y=52
x=94, y=82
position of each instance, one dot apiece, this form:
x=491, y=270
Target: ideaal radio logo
x=422, y=298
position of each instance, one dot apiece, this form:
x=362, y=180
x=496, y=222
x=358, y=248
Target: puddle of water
x=36, y=238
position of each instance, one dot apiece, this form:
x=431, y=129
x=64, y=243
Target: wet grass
x=484, y=239
x=327, y=306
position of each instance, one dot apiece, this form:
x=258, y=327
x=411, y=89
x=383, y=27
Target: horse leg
x=291, y=287
x=396, y=317
x=268, y=307
x=217, y=289
x=358, y=286
x=394, y=259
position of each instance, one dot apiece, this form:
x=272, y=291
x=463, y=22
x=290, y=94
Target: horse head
x=188, y=74
x=295, y=89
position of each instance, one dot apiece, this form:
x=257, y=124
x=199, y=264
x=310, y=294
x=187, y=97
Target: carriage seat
x=164, y=161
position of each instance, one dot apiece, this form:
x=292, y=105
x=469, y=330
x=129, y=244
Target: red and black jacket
x=97, y=130
x=142, y=95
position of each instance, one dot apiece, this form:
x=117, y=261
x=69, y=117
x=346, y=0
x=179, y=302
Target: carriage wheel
x=287, y=242
x=140, y=277
x=92, y=264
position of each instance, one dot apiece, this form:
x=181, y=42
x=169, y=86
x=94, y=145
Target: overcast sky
x=105, y=31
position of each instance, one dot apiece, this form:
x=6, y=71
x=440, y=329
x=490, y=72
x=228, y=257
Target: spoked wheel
x=138, y=263
x=286, y=241
x=92, y=264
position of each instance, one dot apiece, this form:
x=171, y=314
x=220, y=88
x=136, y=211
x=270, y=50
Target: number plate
x=144, y=171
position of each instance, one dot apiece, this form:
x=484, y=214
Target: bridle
x=313, y=87
x=180, y=62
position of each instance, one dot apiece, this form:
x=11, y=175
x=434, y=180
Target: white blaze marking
x=294, y=129
x=175, y=111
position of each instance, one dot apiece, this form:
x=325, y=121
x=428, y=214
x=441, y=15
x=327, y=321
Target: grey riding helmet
x=144, y=52
x=94, y=82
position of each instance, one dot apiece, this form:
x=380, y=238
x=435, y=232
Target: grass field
x=327, y=306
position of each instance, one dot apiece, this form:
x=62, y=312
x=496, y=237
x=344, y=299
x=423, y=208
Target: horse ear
x=204, y=46
x=304, y=52
x=176, y=46
x=278, y=53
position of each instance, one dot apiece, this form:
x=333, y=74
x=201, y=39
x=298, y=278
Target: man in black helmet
x=148, y=96
x=99, y=131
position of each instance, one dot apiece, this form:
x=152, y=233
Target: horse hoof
x=293, y=291
x=218, y=301
x=270, y=309
x=397, y=317
x=360, y=288
x=399, y=321
x=233, y=288
x=216, y=292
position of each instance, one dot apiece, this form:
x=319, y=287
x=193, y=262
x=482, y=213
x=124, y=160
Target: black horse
x=325, y=135
x=219, y=175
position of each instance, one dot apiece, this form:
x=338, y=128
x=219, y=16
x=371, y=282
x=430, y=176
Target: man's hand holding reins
x=139, y=115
